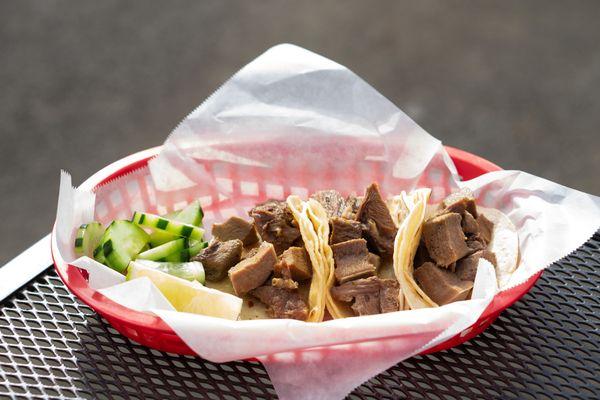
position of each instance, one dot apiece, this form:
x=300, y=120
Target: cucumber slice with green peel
x=190, y=271
x=161, y=252
x=161, y=237
x=178, y=257
x=186, y=254
x=192, y=214
x=196, y=248
x=168, y=225
x=99, y=255
x=88, y=237
x=121, y=242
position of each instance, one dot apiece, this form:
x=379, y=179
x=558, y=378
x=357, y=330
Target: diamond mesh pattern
x=547, y=346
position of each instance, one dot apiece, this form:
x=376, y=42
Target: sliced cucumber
x=168, y=225
x=186, y=254
x=179, y=256
x=161, y=252
x=88, y=237
x=190, y=271
x=192, y=214
x=121, y=242
x=99, y=254
x=161, y=237
x=196, y=248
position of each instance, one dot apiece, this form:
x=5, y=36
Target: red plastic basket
x=151, y=331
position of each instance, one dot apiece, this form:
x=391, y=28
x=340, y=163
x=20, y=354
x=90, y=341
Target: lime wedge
x=190, y=271
x=188, y=296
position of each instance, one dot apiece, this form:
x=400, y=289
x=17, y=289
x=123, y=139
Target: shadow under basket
x=153, y=332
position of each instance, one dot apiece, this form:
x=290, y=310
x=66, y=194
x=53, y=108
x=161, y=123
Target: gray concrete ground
x=85, y=83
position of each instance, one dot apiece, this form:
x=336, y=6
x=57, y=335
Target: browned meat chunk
x=451, y=267
x=352, y=260
x=219, y=257
x=460, y=201
x=366, y=304
x=236, y=228
x=294, y=263
x=276, y=224
x=388, y=295
x=440, y=285
x=284, y=283
x=374, y=260
x=444, y=239
x=371, y=295
x=348, y=291
x=333, y=203
x=380, y=228
x=352, y=205
x=486, y=227
x=422, y=255
x=469, y=224
x=475, y=244
x=467, y=267
x=343, y=229
x=252, y=272
x=282, y=303
x=249, y=251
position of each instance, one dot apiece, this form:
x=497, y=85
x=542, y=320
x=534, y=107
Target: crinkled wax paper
x=292, y=121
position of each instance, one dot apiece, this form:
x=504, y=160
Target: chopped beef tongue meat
x=219, y=257
x=349, y=290
x=455, y=238
x=366, y=304
x=374, y=260
x=284, y=283
x=441, y=285
x=486, y=227
x=469, y=224
x=352, y=260
x=236, y=228
x=388, y=295
x=422, y=255
x=276, y=224
x=467, y=267
x=282, y=303
x=371, y=295
x=333, y=203
x=459, y=202
x=343, y=229
x=294, y=263
x=249, y=251
x=475, y=244
x=252, y=272
x=352, y=205
x=380, y=228
x=444, y=239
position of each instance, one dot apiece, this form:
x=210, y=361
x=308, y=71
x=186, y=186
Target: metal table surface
x=545, y=346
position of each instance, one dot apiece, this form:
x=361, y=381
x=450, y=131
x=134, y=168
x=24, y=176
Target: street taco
x=278, y=273
x=447, y=243
x=359, y=247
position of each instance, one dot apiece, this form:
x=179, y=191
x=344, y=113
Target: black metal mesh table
x=545, y=346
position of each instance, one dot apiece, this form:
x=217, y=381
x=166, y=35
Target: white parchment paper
x=289, y=122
